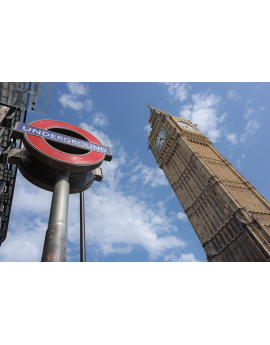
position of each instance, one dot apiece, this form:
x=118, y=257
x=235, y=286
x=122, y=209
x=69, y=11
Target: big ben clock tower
x=230, y=217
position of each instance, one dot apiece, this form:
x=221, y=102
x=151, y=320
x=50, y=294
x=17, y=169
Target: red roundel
x=43, y=151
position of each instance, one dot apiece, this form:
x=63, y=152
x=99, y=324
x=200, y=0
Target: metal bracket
x=98, y=174
x=14, y=156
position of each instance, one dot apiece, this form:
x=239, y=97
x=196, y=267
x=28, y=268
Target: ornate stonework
x=230, y=217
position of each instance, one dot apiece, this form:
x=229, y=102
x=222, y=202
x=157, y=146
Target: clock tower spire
x=230, y=217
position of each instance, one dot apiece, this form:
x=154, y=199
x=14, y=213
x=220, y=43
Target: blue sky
x=133, y=215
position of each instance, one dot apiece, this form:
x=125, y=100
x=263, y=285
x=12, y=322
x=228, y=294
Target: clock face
x=186, y=126
x=160, y=139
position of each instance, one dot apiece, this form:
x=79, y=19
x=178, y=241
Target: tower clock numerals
x=186, y=126
x=160, y=139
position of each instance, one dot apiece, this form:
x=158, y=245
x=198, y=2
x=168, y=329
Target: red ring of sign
x=41, y=145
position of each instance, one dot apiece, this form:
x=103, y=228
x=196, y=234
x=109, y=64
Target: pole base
x=56, y=244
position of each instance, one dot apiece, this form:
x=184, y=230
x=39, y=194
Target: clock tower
x=230, y=217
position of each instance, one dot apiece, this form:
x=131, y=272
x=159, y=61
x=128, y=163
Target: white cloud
x=171, y=195
x=232, y=95
x=183, y=258
x=248, y=113
x=100, y=119
x=70, y=101
x=110, y=248
x=170, y=257
x=249, y=101
x=223, y=117
x=178, y=91
x=204, y=113
x=153, y=177
x=186, y=111
x=75, y=100
x=262, y=108
x=232, y=137
x=28, y=223
x=126, y=222
x=187, y=258
x=25, y=244
x=182, y=216
x=102, y=137
x=110, y=170
x=147, y=129
x=119, y=221
x=77, y=88
x=238, y=164
x=251, y=127
x=88, y=105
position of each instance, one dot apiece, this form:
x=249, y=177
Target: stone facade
x=230, y=217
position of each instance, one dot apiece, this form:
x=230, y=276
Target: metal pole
x=55, y=245
x=82, y=228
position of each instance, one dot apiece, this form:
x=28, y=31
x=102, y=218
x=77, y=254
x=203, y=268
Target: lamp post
x=82, y=229
x=55, y=245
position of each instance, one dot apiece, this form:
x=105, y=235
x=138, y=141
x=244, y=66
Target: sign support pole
x=55, y=245
x=82, y=228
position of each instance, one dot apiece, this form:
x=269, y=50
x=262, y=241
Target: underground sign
x=62, y=145
x=51, y=145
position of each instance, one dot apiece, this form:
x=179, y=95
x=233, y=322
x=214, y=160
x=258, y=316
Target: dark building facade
x=8, y=172
x=230, y=217
x=15, y=99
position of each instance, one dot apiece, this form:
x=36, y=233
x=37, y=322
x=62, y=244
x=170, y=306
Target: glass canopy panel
x=35, y=96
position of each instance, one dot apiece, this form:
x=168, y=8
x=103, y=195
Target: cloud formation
x=232, y=95
x=76, y=100
x=147, y=129
x=183, y=258
x=70, y=101
x=177, y=91
x=251, y=128
x=248, y=113
x=28, y=224
x=100, y=119
x=150, y=176
x=204, y=112
x=232, y=137
x=88, y=105
x=187, y=258
x=77, y=88
x=238, y=163
x=182, y=216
